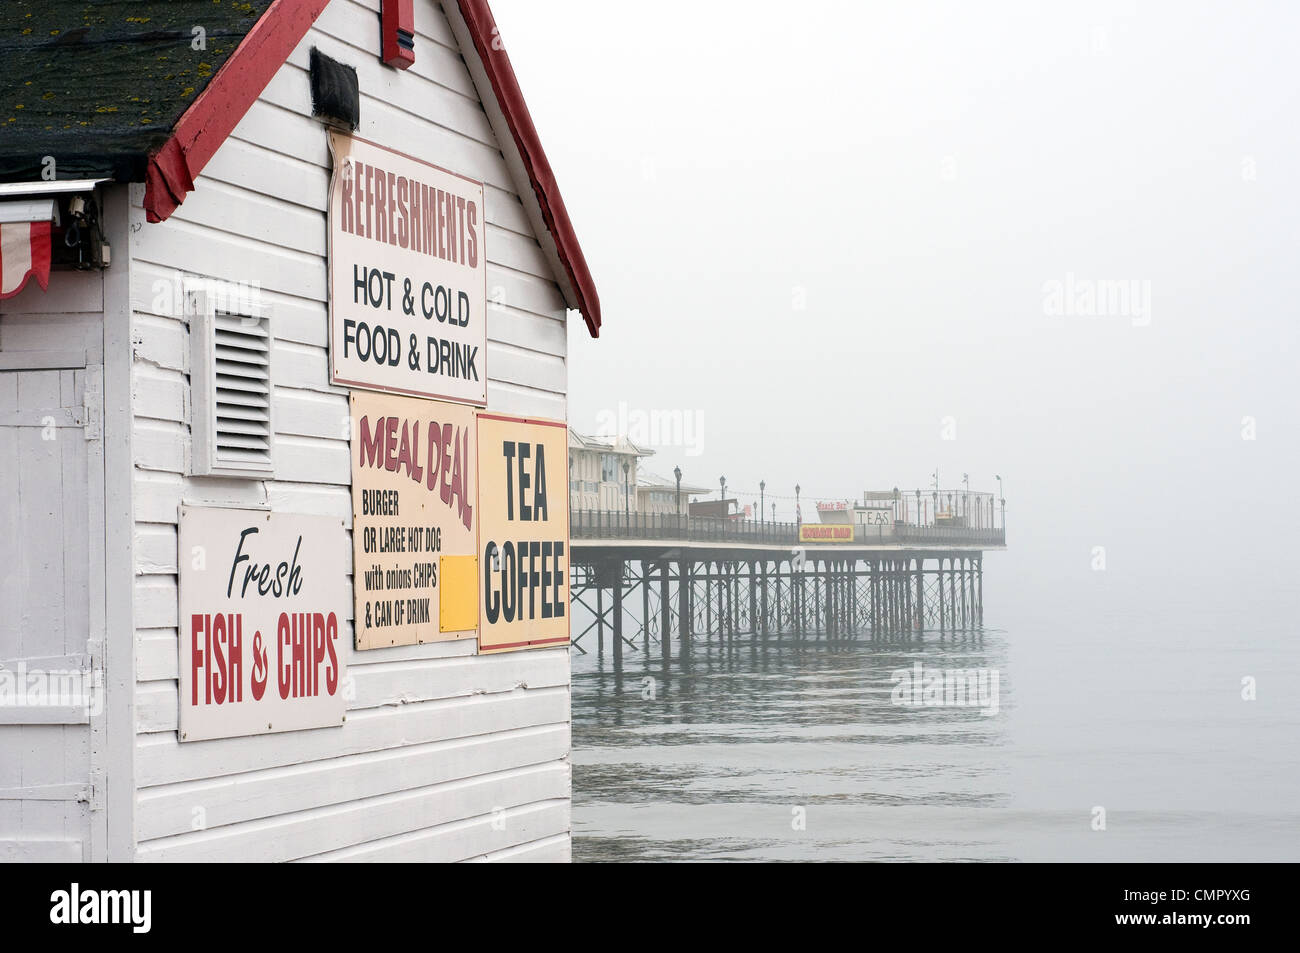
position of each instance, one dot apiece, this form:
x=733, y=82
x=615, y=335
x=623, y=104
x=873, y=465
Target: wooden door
x=51, y=607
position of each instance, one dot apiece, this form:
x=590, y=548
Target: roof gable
x=158, y=114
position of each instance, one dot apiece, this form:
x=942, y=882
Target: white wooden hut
x=140, y=198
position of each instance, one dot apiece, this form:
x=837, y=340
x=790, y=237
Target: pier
x=649, y=577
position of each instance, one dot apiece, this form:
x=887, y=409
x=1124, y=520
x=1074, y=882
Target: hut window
x=230, y=380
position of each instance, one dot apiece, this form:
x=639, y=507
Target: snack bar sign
x=263, y=603
x=408, y=275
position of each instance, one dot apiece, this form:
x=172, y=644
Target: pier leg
x=873, y=602
x=900, y=597
x=665, y=615
x=753, y=600
x=908, y=609
x=801, y=620
x=684, y=601
x=777, y=574
x=979, y=568
x=920, y=594
x=645, y=608
x=735, y=595
x=600, y=617
x=708, y=600
x=967, y=592
x=889, y=597
x=829, y=613
x=618, y=618
x=952, y=589
x=943, y=619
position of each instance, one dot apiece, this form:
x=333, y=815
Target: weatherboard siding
x=445, y=755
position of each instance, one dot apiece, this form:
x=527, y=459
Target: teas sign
x=408, y=275
x=523, y=533
x=413, y=519
x=262, y=622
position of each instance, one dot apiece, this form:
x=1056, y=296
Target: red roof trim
x=487, y=42
x=213, y=116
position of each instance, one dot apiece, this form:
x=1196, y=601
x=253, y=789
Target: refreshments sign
x=408, y=275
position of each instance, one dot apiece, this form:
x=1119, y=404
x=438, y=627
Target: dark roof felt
x=99, y=84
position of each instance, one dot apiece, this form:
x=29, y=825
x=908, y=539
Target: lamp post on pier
x=798, y=511
x=722, y=482
x=762, y=488
x=677, y=472
x=1003, y=500
x=627, y=509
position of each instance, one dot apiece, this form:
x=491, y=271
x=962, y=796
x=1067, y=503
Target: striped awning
x=24, y=254
x=25, y=243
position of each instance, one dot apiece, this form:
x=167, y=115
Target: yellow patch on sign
x=458, y=604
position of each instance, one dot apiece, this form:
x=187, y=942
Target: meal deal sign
x=414, y=533
x=408, y=275
x=523, y=535
x=263, y=604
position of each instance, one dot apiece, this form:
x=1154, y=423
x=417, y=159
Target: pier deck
x=703, y=577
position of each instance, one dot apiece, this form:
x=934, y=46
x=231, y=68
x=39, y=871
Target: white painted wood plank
x=195, y=250
x=159, y=341
x=244, y=213
x=75, y=291
x=156, y=656
x=304, y=833
x=161, y=759
x=388, y=684
x=509, y=364
x=311, y=460
x=40, y=332
x=170, y=810
x=549, y=850
x=524, y=329
x=304, y=367
x=311, y=500
x=249, y=164
x=159, y=394
x=52, y=851
x=504, y=398
x=155, y=549
x=154, y=599
x=158, y=445
x=463, y=840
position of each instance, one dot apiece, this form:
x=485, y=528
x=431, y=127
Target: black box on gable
x=335, y=92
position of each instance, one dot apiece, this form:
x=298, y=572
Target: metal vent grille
x=231, y=358
x=242, y=432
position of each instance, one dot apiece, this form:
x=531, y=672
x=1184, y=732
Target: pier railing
x=614, y=524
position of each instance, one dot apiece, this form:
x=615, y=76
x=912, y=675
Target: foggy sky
x=916, y=175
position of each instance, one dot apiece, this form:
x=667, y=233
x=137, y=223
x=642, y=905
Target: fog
x=859, y=242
